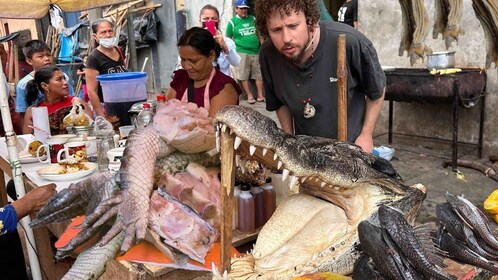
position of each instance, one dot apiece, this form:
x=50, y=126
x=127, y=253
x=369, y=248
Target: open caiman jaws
x=339, y=186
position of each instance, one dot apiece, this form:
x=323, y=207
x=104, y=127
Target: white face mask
x=107, y=42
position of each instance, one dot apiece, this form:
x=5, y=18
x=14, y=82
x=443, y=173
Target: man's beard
x=299, y=57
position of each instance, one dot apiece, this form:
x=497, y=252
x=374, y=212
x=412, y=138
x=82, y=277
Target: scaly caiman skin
x=339, y=185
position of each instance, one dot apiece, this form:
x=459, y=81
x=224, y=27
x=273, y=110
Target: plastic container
x=145, y=117
x=161, y=99
x=246, y=210
x=123, y=87
x=259, y=212
x=235, y=218
x=269, y=199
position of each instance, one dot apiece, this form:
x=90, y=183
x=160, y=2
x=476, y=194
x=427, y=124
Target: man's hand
x=33, y=200
x=365, y=142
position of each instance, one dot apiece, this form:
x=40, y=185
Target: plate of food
x=28, y=153
x=67, y=170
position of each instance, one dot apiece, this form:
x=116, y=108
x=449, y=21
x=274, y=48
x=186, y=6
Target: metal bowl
x=441, y=60
x=81, y=130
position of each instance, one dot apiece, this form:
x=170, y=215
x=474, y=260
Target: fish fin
x=426, y=234
x=402, y=264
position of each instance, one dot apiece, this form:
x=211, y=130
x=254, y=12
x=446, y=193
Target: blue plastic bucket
x=123, y=87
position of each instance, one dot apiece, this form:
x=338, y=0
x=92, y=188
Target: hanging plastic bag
x=150, y=31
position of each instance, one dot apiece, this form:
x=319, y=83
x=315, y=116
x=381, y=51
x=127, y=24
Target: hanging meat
x=447, y=17
x=487, y=13
x=415, y=29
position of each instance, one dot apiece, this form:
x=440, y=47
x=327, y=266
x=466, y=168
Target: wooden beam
x=155, y=6
x=122, y=8
x=342, y=89
x=227, y=183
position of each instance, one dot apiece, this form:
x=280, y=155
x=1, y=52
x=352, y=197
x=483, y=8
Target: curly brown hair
x=264, y=8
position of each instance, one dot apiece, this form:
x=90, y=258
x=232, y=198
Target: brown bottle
x=259, y=212
x=269, y=199
x=246, y=210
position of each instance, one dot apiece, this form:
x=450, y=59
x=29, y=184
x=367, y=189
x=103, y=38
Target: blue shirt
x=21, y=103
x=8, y=219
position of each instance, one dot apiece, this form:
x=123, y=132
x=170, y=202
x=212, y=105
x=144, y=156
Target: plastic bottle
x=145, y=116
x=269, y=199
x=259, y=212
x=246, y=210
x=235, y=218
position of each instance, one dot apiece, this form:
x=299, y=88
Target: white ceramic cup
x=73, y=150
x=125, y=130
x=91, y=144
x=52, y=147
x=121, y=143
x=115, y=155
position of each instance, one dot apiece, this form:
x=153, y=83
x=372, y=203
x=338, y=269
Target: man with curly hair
x=299, y=68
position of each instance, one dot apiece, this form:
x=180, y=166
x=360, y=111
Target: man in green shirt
x=242, y=30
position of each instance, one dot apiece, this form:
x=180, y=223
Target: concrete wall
x=381, y=21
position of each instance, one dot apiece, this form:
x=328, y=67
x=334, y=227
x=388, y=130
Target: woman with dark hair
x=210, y=88
x=50, y=80
x=107, y=58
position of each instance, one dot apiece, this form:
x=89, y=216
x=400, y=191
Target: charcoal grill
x=418, y=85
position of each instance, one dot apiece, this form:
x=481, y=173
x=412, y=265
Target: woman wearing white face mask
x=105, y=59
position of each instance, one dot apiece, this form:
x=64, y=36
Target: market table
x=419, y=85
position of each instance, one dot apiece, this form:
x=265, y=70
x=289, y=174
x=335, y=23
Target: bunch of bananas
x=445, y=71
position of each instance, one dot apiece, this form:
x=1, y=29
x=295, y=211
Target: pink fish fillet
x=180, y=227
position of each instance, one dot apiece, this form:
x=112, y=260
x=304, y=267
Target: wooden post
x=16, y=64
x=227, y=182
x=342, y=89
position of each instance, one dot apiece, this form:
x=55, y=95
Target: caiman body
x=339, y=185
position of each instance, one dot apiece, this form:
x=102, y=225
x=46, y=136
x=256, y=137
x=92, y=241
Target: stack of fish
x=465, y=234
x=397, y=250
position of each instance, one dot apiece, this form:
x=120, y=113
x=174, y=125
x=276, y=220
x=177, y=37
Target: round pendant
x=309, y=111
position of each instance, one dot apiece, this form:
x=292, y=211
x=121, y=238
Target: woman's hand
x=219, y=39
x=33, y=200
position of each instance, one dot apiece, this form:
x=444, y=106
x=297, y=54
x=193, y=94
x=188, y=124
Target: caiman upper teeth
x=237, y=160
x=224, y=128
x=231, y=131
x=275, y=156
x=217, y=133
x=265, y=150
x=218, y=142
x=322, y=184
x=285, y=174
x=252, y=149
x=279, y=164
x=303, y=179
x=237, y=142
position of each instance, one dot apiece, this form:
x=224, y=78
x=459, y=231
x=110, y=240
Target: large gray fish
x=452, y=223
x=473, y=217
x=461, y=252
x=387, y=258
x=364, y=269
x=394, y=222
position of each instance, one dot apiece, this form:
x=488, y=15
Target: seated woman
x=210, y=88
x=50, y=80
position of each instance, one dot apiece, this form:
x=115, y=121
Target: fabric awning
x=34, y=9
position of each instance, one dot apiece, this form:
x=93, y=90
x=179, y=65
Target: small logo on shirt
x=333, y=80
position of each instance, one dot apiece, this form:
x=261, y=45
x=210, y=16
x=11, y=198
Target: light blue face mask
x=107, y=42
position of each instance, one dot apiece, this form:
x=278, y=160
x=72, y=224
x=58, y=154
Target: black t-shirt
x=105, y=65
x=348, y=13
x=286, y=83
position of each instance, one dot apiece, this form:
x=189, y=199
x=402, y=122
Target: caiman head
x=339, y=186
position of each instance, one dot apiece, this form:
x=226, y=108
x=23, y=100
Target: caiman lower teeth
x=237, y=142
x=224, y=128
x=252, y=149
x=294, y=181
x=285, y=174
x=218, y=142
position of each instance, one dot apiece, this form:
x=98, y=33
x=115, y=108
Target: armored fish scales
x=452, y=223
x=387, y=258
x=353, y=182
x=394, y=222
x=473, y=217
